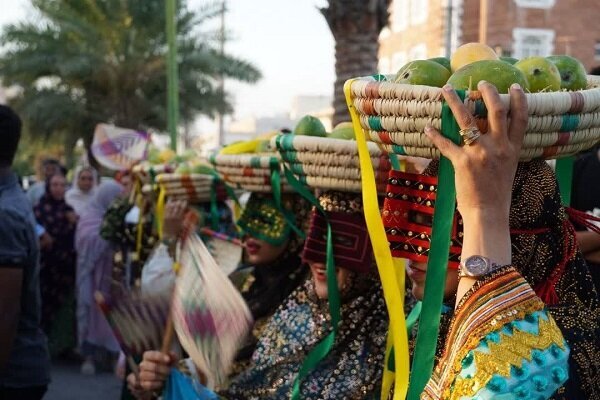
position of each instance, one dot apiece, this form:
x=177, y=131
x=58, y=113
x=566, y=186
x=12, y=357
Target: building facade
x=519, y=28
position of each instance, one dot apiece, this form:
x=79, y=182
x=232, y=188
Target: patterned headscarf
x=351, y=244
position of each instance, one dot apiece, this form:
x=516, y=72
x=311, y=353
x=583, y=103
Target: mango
x=572, y=72
x=496, y=72
x=166, y=156
x=343, y=130
x=469, y=53
x=310, y=126
x=443, y=61
x=510, y=60
x=542, y=74
x=423, y=72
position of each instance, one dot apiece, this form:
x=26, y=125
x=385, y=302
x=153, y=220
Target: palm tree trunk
x=355, y=55
x=355, y=25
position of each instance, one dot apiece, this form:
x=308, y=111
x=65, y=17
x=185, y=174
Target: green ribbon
x=230, y=192
x=411, y=320
x=394, y=161
x=276, y=184
x=564, y=175
x=437, y=264
x=320, y=351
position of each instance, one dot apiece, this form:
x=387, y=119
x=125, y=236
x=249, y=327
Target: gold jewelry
x=470, y=135
x=468, y=131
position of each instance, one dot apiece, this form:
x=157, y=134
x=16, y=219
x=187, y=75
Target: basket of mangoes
x=563, y=102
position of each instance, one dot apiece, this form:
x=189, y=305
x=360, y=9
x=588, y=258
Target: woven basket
x=330, y=164
x=251, y=172
x=394, y=115
x=195, y=188
x=146, y=173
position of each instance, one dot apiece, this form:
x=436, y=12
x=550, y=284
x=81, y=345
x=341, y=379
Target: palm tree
x=355, y=25
x=88, y=61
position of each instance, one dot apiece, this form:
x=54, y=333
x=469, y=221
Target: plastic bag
x=180, y=387
x=158, y=275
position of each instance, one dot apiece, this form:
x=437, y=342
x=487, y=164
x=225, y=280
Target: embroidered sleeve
x=502, y=343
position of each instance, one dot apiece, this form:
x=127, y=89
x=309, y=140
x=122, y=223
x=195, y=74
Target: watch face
x=476, y=265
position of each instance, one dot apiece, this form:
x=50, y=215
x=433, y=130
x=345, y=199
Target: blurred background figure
x=94, y=266
x=57, y=275
x=50, y=167
x=586, y=197
x=24, y=363
x=81, y=192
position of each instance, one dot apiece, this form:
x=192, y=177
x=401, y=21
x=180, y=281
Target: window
x=597, y=51
x=418, y=11
x=535, y=3
x=384, y=66
x=399, y=15
x=418, y=52
x=532, y=42
x=398, y=61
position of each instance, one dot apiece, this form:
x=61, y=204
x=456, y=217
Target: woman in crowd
x=81, y=192
x=94, y=268
x=57, y=273
x=497, y=336
x=352, y=368
x=272, y=267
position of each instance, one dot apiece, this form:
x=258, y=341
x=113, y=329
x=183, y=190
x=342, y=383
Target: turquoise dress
x=502, y=344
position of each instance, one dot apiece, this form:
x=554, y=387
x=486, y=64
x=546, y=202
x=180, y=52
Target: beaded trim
x=409, y=203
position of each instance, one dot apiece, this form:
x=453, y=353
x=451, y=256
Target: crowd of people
x=521, y=310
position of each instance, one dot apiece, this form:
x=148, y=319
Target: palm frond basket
x=394, y=116
x=195, y=188
x=329, y=164
x=251, y=172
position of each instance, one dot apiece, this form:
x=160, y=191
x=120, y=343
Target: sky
x=288, y=40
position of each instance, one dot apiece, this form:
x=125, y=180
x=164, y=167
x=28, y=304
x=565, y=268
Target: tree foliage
x=82, y=62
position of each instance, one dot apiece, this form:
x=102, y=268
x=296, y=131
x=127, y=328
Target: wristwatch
x=477, y=267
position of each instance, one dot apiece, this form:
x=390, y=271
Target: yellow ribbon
x=390, y=272
x=160, y=210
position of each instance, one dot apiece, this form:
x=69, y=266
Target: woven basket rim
x=333, y=159
x=394, y=115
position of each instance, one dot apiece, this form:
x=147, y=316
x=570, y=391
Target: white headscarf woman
x=85, y=180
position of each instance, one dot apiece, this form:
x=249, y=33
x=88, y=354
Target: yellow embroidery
x=510, y=351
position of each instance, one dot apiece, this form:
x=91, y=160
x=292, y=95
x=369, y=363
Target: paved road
x=69, y=384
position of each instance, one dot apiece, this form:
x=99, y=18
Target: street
x=69, y=384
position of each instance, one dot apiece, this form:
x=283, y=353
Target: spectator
x=82, y=191
x=586, y=197
x=57, y=274
x=94, y=267
x=50, y=167
x=24, y=361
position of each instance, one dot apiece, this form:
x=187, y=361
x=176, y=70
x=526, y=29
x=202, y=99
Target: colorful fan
x=226, y=250
x=137, y=321
x=209, y=315
x=119, y=148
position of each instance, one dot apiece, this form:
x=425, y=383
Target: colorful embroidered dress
x=506, y=340
x=352, y=370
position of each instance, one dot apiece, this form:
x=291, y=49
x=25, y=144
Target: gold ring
x=469, y=140
x=468, y=131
